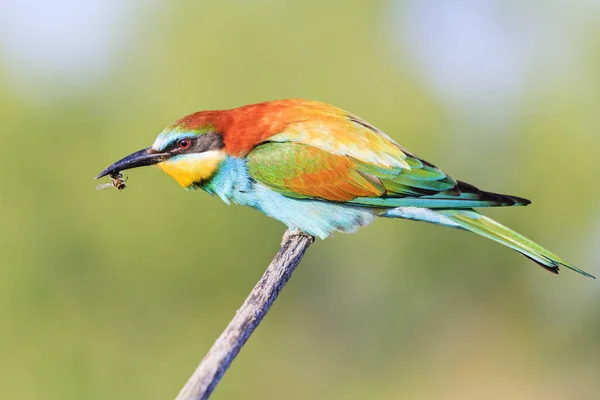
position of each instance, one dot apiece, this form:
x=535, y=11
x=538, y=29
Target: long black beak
x=138, y=159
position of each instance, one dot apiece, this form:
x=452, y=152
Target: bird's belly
x=318, y=218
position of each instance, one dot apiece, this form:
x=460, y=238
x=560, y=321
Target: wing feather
x=338, y=157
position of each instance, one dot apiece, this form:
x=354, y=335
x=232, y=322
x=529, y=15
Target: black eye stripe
x=174, y=145
x=198, y=144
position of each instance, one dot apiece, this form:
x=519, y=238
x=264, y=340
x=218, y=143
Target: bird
x=319, y=170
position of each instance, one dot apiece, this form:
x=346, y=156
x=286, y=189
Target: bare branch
x=246, y=319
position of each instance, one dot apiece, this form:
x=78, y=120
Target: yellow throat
x=191, y=168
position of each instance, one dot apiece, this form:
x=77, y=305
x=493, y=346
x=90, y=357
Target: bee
x=117, y=181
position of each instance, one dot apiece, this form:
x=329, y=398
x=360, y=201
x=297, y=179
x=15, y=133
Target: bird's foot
x=295, y=232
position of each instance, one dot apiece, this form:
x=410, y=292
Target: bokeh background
x=108, y=295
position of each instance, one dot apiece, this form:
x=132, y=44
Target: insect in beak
x=117, y=181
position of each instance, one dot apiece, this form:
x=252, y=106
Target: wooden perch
x=220, y=356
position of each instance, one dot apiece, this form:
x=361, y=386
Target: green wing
x=302, y=171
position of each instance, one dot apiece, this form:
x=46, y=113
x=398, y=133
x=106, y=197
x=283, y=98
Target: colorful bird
x=319, y=169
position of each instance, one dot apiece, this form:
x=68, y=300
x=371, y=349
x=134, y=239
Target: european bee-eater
x=319, y=169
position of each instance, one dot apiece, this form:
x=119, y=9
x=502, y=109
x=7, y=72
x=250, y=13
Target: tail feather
x=472, y=221
x=462, y=196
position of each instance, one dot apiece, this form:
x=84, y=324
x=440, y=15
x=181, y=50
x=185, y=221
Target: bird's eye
x=184, y=144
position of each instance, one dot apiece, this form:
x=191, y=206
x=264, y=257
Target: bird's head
x=190, y=155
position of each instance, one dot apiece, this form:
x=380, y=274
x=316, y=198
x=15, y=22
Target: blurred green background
x=108, y=295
